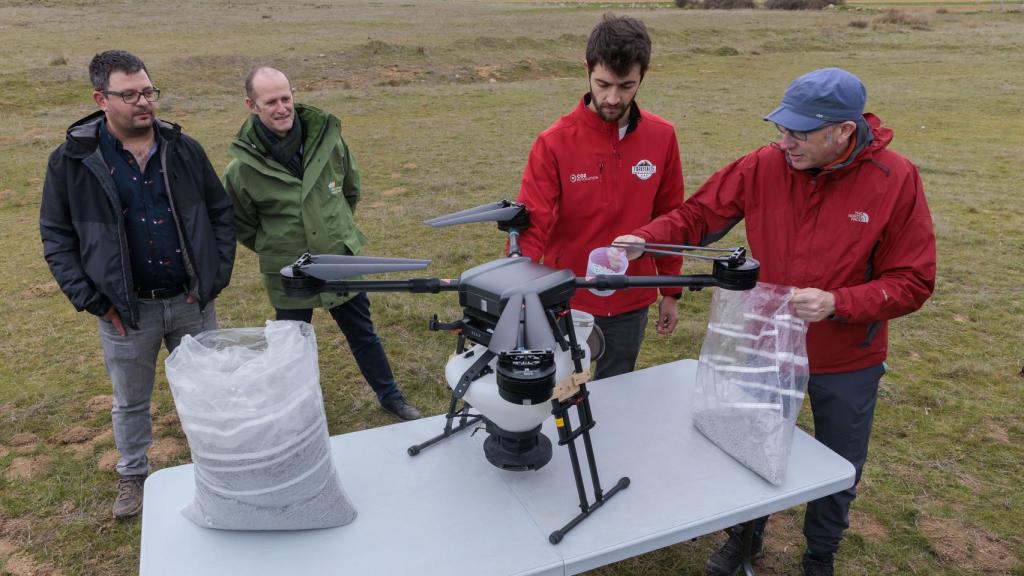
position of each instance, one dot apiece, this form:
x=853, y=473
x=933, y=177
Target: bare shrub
x=59, y=61
x=858, y=24
x=801, y=4
x=727, y=4
x=687, y=3
x=902, y=18
x=942, y=10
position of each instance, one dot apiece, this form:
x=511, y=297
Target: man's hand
x=668, y=315
x=631, y=253
x=114, y=318
x=812, y=304
x=190, y=299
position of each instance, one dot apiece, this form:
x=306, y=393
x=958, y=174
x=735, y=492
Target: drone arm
x=414, y=286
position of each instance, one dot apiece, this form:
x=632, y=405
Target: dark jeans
x=623, y=335
x=353, y=317
x=843, y=406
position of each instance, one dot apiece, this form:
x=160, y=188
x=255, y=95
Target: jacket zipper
x=122, y=236
x=185, y=256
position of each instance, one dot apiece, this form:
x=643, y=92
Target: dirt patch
x=391, y=193
x=27, y=468
x=86, y=449
x=24, y=439
x=165, y=449
x=409, y=166
x=108, y=461
x=7, y=408
x=868, y=526
x=98, y=404
x=21, y=565
x=74, y=435
x=968, y=548
x=169, y=419
x=41, y=290
x=783, y=540
x=6, y=547
x=997, y=432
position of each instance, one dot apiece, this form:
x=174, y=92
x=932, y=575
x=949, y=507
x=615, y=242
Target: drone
x=522, y=354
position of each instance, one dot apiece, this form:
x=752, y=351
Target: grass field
x=441, y=101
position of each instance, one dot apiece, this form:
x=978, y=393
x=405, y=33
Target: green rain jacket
x=280, y=217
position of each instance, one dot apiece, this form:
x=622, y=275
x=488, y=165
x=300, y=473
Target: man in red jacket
x=598, y=172
x=830, y=210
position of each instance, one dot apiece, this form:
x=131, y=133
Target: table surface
x=448, y=511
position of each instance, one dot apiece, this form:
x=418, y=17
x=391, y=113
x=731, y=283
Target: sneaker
x=728, y=560
x=129, y=496
x=402, y=409
x=816, y=565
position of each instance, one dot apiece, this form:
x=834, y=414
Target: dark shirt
x=153, y=243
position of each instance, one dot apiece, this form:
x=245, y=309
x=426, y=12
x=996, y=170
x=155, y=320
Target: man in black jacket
x=137, y=230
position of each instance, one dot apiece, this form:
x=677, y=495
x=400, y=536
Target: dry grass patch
x=27, y=468
x=969, y=549
x=41, y=290
x=101, y=403
x=868, y=526
x=74, y=435
x=108, y=461
x=902, y=18
x=24, y=439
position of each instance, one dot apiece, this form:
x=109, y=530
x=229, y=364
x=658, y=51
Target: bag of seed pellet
x=751, y=377
x=250, y=404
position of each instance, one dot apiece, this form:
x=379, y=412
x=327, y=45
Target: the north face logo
x=859, y=217
x=644, y=169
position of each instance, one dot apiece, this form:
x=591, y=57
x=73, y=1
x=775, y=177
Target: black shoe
x=816, y=565
x=729, y=558
x=402, y=409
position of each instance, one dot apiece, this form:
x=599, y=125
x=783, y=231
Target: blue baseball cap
x=818, y=98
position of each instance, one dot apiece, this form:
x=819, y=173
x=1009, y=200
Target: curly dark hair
x=106, y=62
x=619, y=42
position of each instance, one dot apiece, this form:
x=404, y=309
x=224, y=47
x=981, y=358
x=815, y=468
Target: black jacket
x=83, y=233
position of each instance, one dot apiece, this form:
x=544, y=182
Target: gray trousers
x=623, y=335
x=131, y=364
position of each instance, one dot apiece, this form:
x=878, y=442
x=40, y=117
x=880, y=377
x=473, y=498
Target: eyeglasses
x=799, y=135
x=132, y=96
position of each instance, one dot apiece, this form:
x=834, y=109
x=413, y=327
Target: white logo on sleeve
x=333, y=187
x=644, y=169
x=859, y=217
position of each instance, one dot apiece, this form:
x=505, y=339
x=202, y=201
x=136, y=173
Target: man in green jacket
x=295, y=187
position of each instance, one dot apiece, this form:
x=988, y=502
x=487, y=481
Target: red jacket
x=584, y=187
x=862, y=231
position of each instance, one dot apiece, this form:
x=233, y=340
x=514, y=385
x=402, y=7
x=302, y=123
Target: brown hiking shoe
x=129, y=496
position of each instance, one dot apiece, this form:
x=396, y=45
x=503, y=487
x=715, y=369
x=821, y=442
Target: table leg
x=748, y=547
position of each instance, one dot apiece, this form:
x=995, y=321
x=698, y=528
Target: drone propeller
x=506, y=331
x=333, y=267
x=538, y=330
x=493, y=212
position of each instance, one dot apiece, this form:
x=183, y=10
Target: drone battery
x=526, y=376
x=484, y=289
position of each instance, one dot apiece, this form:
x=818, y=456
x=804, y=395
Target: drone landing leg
x=567, y=436
x=466, y=420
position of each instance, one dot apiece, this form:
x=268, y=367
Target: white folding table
x=448, y=511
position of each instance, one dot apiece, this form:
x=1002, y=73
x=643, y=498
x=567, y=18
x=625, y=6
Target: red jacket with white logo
x=862, y=231
x=584, y=187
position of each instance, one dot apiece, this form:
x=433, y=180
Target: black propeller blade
x=493, y=212
x=506, y=331
x=538, y=330
x=333, y=267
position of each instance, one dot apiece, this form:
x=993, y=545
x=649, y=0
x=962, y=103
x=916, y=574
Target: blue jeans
x=623, y=334
x=353, y=317
x=131, y=364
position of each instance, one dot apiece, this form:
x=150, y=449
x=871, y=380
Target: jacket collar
x=83, y=136
x=871, y=137
x=590, y=118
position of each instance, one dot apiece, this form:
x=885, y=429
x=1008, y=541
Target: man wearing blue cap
x=829, y=209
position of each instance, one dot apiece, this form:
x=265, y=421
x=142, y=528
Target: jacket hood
x=83, y=135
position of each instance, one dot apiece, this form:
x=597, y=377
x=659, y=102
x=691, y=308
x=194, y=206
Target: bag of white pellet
x=752, y=376
x=250, y=404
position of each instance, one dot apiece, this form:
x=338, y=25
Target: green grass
x=433, y=133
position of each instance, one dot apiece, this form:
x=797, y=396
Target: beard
x=611, y=114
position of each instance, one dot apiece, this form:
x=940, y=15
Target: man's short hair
x=104, y=63
x=251, y=76
x=619, y=42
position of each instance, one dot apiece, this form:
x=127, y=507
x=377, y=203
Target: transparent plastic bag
x=250, y=404
x=752, y=376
